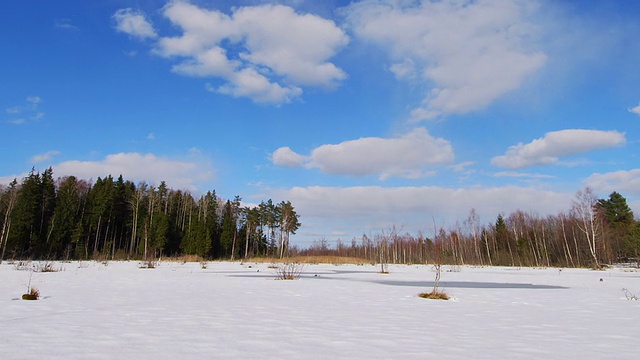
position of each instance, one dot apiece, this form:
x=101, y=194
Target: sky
x=369, y=116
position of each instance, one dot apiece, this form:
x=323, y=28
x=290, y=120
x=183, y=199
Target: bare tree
x=584, y=208
x=12, y=195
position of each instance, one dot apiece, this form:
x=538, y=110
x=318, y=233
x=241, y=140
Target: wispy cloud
x=33, y=102
x=66, y=24
x=44, y=157
x=515, y=174
x=635, y=110
x=549, y=149
x=467, y=54
x=29, y=111
x=14, y=110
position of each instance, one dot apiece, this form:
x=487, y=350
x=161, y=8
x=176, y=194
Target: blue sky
x=365, y=115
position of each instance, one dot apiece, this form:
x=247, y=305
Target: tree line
x=594, y=232
x=70, y=218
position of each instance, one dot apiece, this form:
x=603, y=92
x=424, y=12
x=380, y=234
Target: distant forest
x=68, y=218
x=593, y=233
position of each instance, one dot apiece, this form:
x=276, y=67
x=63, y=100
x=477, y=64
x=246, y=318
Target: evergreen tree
x=65, y=217
x=619, y=218
x=23, y=238
x=228, y=229
x=616, y=211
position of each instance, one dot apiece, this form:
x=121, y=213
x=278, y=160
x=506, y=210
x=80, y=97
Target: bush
x=33, y=294
x=148, y=265
x=289, y=271
x=46, y=267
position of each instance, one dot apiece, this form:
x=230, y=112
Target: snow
x=232, y=310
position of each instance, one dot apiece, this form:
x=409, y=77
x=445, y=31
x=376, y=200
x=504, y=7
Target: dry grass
x=436, y=295
x=148, y=264
x=46, y=267
x=184, y=259
x=313, y=260
x=33, y=294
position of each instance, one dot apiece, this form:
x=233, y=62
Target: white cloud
x=134, y=23
x=34, y=101
x=66, y=24
x=623, y=181
x=635, y=110
x=353, y=211
x=405, y=156
x=515, y=174
x=284, y=156
x=19, y=121
x=266, y=53
x=29, y=111
x=468, y=53
x=44, y=157
x=14, y=110
x=548, y=149
x=183, y=173
x=462, y=167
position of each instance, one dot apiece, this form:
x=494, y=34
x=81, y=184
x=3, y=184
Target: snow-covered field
x=239, y=311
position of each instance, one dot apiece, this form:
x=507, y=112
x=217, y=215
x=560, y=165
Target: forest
x=69, y=218
x=593, y=233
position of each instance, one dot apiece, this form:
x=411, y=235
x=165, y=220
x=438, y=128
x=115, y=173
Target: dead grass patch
x=314, y=260
x=436, y=295
x=34, y=294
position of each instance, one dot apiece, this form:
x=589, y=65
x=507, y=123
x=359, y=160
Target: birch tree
x=584, y=209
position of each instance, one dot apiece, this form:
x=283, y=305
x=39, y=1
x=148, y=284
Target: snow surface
x=239, y=311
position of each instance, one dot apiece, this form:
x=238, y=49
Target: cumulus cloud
x=548, y=149
x=351, y=211
x=284, y=156
x=183, y=173
x=405, y=156
x=624, y=181
x=134, y=23
x=266, y=53
x=467, y=53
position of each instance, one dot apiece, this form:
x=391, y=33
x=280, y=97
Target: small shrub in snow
x=289, y=271
x=437, y=295
x=23, y=265
x=46, y=267
x=148, y=264
x=33, y=294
